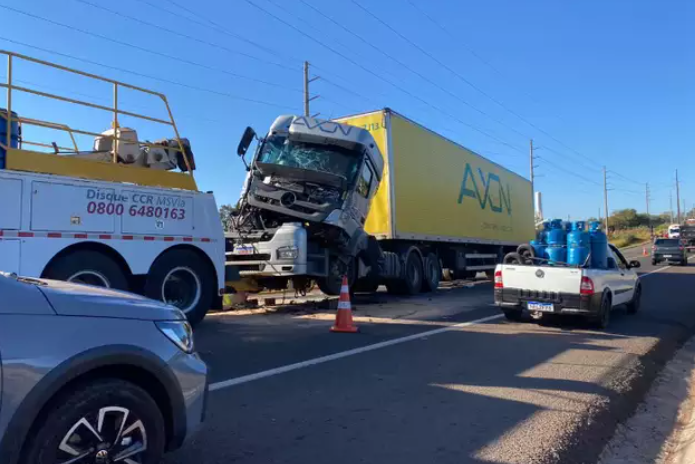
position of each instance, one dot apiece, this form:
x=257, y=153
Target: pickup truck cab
x=545, y=289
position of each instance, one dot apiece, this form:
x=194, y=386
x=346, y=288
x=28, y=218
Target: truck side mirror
x=246, y=139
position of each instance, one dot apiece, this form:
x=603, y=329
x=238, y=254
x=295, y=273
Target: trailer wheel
x=90, y=268
x=183, y=279
x=411, y=282
x=433, y=273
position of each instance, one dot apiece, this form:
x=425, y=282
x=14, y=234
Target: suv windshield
x=333, y=160
x=667, y=242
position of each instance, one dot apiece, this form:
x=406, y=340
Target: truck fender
x=358, y=243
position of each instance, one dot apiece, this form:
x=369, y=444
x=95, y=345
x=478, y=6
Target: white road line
x=343, y=354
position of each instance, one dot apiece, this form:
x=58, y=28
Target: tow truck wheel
x=183, y=279
x=433, y=273
x=88, y=267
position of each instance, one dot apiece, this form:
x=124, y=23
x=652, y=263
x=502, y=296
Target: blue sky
x=593, y=82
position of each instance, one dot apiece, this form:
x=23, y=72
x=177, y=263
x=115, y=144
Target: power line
x=210, y=24
x=458, y=41
x=404, y=65
x=185, y=36
x=625, y=178
x=463, y=79
x=369, y=71
x=147, y=50
x=148, y=76
x=579, y=176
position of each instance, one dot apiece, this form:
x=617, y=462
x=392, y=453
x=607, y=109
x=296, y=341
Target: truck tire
x=331, y=285
x=512, y=258
x=411, y=283
x=634, y=304
x=183, y=279
x=432, y=273
x=90, y=268
x=526, y=252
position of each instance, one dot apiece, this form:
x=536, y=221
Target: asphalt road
x=434, y=388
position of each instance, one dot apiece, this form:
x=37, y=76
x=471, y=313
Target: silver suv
x=91, y=375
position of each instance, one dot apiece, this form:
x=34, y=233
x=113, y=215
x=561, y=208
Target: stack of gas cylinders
x=570, y=243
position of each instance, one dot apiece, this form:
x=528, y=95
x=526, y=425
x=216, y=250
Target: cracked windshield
x=497, y=270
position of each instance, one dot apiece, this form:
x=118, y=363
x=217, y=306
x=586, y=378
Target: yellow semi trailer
x=441, y=201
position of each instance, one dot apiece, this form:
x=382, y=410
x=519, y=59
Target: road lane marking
x=344, y=354
x=663, y=268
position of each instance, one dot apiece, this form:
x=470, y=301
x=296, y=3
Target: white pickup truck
x=545, y=289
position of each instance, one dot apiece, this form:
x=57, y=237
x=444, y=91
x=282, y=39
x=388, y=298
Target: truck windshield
x=331, y=159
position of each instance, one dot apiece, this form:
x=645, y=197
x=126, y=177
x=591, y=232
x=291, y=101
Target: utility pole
x=678, y=199
x=605, y=197
x=307, y=81
x=670, y=204
x=531, y=178
x=649, y=218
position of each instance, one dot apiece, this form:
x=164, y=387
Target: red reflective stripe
x=204, y=239
x=127, y=237
x=105, y=237
x=25, y=234
x=2, y=232
x=169, y=239
x=148, y=239
x=54, y=235
x=81, y=236
x=188, y=239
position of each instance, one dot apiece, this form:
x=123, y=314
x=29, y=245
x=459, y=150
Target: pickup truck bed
x=543, y=290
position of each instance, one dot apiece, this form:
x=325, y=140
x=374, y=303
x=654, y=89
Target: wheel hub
x=102, y=457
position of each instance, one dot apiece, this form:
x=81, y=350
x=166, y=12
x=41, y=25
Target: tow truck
x=124, y=213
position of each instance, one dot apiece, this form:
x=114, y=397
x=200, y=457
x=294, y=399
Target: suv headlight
x=288, y=252
x=179, y=332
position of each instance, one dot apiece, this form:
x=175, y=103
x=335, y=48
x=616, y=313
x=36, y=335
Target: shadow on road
x=500, y=392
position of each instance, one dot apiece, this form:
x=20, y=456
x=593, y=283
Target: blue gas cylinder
x=540, y=249
x=557, y=254
x=14, y=134
x=578, y=244
x=557, y=236
x=599, y=248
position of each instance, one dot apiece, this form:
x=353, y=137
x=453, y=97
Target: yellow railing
x=10, y=86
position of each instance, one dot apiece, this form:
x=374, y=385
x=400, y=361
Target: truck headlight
x=179, y=332
x=289, y=252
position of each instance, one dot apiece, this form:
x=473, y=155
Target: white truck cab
x=123, y=214
x=546, y=289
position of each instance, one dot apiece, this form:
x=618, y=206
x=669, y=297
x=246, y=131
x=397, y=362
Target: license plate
x=535, y=306
x=668, y=256
x=243, y=250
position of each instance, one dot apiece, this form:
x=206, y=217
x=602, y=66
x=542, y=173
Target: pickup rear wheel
x=183, y=279
x=604, y=316
x=88, y=267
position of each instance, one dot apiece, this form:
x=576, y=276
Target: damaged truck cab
x=304, y=204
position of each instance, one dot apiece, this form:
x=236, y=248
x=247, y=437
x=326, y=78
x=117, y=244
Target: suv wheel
x=104, y=421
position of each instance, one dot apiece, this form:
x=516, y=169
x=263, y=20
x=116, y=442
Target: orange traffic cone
x=644, y=251
x=343, y=318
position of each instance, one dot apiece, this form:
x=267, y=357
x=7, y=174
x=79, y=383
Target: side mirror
x=634, y=264
x=246, y=139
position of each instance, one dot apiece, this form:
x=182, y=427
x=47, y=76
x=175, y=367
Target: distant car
x=674, y=231
x=92, y=375
x=669, y=250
